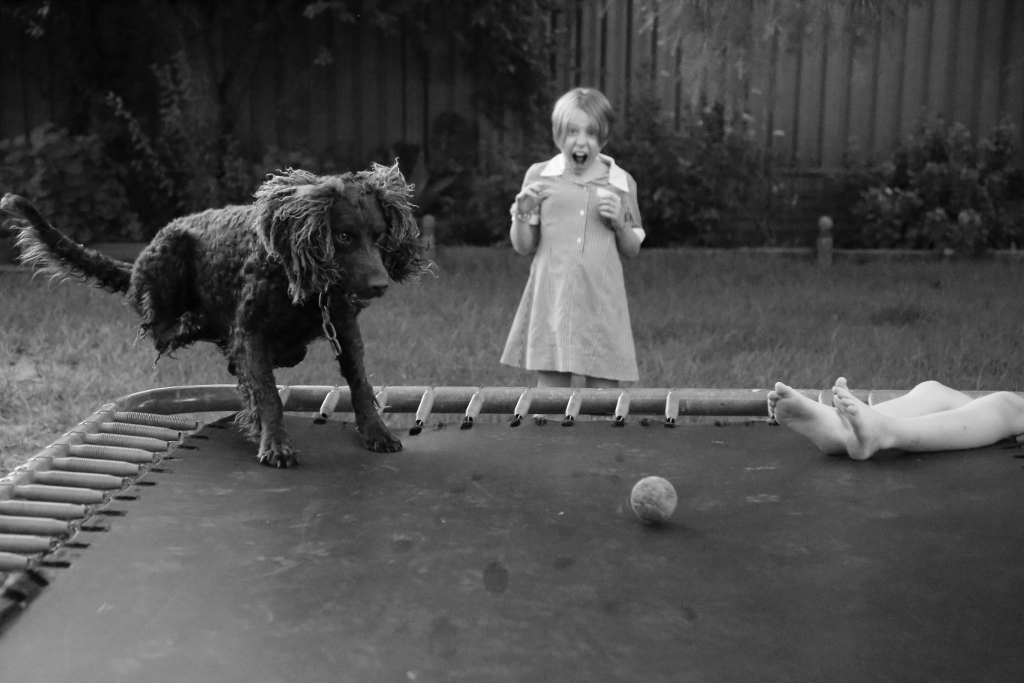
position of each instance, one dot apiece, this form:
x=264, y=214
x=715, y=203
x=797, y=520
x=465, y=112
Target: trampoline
x=145, y=546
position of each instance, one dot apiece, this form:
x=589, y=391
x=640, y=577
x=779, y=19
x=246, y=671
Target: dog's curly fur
x=249, y=279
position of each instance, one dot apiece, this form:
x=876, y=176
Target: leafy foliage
x=691, y=180
x=941, y=190
x=72, y=181
x=187, y=165
x=498, y=40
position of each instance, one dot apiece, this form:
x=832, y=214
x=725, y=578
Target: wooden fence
x=820, y=96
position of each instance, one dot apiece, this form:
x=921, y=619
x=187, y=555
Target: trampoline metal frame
x=45, y=500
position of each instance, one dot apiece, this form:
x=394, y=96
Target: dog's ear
x=293, y=224
x=400, y=247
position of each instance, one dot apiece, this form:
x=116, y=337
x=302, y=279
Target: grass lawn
x=699, y=320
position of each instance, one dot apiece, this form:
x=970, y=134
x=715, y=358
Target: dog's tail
x=51, y=252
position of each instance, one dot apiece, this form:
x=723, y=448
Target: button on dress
x=573, y=315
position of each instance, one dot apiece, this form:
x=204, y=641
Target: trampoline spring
x=85, y=480
x=19, y=543
x=112, y=467
x=39, y=526
x=328, y=406
x=129, y=429
x=522, y=408
x=284, y=393
x=128, y=441
x=572, y=409
x=60, y=494
x=120, y=453
x=11, y=562
x=621, y=410
x=426, y=405
x=381, y=399
x=671, y=409
x=476, y=404
x=153, y=420
x=423, y=412
x=33, y=508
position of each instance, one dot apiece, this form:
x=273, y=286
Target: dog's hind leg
x=376, y=436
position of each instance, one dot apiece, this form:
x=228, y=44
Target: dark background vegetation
x=151, y=129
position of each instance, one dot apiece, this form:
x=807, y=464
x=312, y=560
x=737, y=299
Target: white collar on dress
x=616, y=176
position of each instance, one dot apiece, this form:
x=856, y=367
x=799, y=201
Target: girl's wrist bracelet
x=524, y=217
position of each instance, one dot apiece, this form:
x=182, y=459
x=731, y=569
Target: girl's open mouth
x=579, y=158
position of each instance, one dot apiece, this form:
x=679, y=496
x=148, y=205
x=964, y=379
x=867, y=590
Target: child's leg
x=815, y=421
x=974, y=424
x=925, y=398
x=601, y=383
x=550, y=378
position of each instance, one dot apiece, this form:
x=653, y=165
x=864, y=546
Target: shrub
x=689, y=181
x=692, y=180
x=186, y=165
x=940, y=190
x=72, y=181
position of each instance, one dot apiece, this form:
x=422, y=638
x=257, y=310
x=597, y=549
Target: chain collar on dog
x=329, y=331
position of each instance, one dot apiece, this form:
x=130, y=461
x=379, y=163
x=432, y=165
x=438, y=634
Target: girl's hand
x=610, y=208
x=530, y=197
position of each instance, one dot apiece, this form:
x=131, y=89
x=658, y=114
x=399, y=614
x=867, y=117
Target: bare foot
x=867, y=430
x=808, y=418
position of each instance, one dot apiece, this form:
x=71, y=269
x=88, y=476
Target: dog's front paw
x=278, y=455
x=376, y=437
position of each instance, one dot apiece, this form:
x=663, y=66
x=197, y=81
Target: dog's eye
x=344, y=238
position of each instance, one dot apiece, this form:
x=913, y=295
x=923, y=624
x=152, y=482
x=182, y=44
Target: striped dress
x=573, y=316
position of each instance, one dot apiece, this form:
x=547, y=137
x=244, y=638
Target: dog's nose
x=378, y=290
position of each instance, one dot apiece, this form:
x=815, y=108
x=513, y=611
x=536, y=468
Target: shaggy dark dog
x=261, y=282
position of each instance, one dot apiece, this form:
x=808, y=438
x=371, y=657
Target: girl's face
x=579, y=145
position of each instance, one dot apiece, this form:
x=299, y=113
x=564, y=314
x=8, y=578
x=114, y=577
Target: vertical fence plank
x=320, y=85
x=836, y=95
x=888, y=94
x=264, y=103
x=414, y=102
x=943, y=32
x=344, y=88
x=915, y=72
x=759, y=81
x=614, y=42
x=862, y=87
x=368, y=105
x=1013, y=69
x=813, y=54
x=12, y=95
x=784, y=94
x=961, y=61
x=990, y=53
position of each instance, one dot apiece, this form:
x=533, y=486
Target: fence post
x=824, y=242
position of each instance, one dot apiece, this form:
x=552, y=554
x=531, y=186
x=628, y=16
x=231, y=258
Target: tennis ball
x=653, y=499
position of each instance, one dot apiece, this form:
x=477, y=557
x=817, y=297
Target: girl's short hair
x=590, y=101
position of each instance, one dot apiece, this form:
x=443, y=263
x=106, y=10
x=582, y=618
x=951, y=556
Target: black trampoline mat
x=511, y=554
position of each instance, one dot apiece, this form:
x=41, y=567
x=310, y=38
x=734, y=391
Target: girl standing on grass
x=578, y=215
